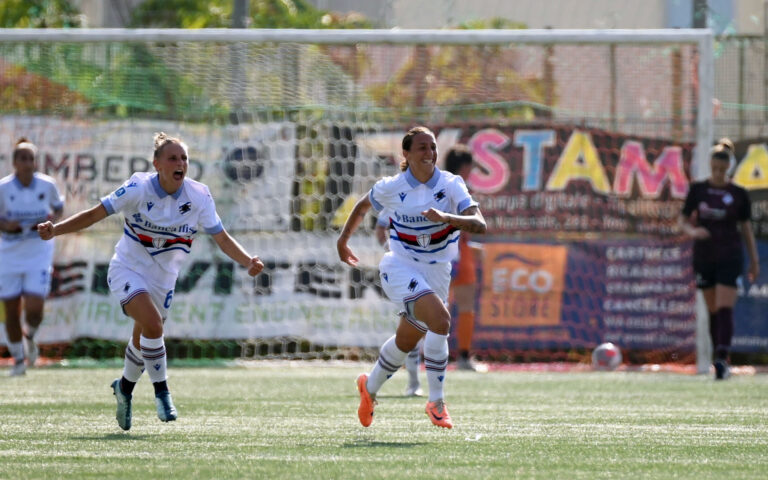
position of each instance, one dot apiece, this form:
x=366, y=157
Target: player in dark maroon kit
x=717, y=216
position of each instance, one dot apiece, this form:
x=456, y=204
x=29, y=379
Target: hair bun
x=160, y=139
x=726, y=144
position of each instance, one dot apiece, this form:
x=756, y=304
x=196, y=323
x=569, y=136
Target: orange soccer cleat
x=437, y=411
x=367, y=403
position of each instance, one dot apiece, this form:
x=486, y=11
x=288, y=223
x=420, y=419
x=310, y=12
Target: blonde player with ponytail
x=163, y=211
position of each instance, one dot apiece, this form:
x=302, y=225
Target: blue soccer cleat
x=123, y=414
x=166, y=412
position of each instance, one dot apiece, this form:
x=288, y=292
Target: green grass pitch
x=298, y=420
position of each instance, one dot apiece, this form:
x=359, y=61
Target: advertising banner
x=637, y=293
x=582, y=243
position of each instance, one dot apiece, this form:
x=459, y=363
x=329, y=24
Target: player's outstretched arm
x=355, y=218
x=470, y=220
x=86, y=218
x=236, y=252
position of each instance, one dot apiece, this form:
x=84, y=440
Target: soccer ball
x=606, y=356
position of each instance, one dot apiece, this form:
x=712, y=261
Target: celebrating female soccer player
x=27, y=198
x=714, y=214
x=429, y=207
x=163, y=211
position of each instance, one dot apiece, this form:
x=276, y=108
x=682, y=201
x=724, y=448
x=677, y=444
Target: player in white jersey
x=428, y=207
x=413, y=389
x=163, y=212
x=27, y=198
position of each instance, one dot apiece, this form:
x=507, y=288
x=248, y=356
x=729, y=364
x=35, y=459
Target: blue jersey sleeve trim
x=465, y=204
x=215, y=229
x=376, y=205
x=107, y=206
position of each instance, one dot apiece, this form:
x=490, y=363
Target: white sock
x=435, y=361
x=17, y=351
x=390, y=360
x=133, y=364
x=31, y=331
x=153, y=353
x=412, y=366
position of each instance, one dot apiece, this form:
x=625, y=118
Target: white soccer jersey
x=382, y=219
x=29, y=206
x=159, y=228
x=412, y=235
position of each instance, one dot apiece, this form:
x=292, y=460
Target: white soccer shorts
x=36, y=281
x=405, y=281
x=125, y=284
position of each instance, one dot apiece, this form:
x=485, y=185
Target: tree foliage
x=218, y=14
x=39, y=14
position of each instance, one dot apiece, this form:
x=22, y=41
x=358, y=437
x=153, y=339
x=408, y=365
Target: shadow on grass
x=112, y=436
x=374, y=444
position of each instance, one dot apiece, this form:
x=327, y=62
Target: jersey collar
x=413, y=182
x=155, y=179
x=18, y=183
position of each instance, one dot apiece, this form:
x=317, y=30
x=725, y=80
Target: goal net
x=585, y=142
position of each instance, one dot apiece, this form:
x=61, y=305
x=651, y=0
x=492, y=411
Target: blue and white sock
x=133, y=364
x=153, y=353
x=390, y=360
x=435, y=362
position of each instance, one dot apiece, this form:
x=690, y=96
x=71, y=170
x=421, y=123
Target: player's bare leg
x=14, y=335
x=33, y=316
x=725, y=299
x=464, y=296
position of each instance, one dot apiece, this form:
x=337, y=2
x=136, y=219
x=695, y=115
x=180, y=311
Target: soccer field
x=298, y=420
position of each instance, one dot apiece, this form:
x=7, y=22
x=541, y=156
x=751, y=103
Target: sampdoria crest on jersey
x=158, y=242
x=424, y=240
x=414, y=283
x=185, y=207
x=440, y=195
